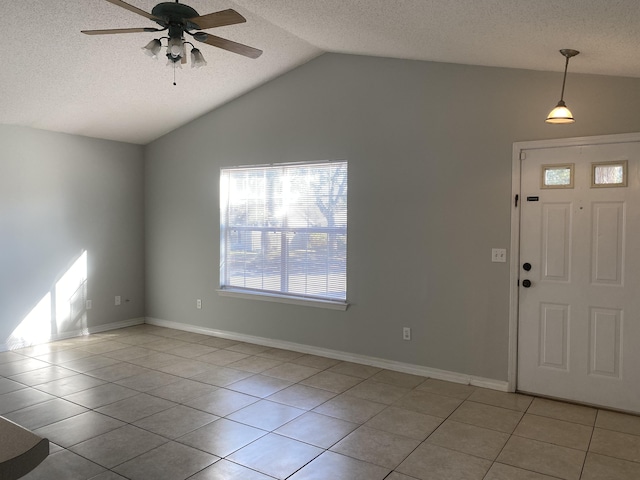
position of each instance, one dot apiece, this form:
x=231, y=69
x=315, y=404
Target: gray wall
x=429, y=151
x=60, y=195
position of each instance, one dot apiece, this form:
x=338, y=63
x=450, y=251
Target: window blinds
x=284, y=229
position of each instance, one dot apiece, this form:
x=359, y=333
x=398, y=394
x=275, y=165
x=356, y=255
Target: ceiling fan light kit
x=561, y=114
x=178, y=19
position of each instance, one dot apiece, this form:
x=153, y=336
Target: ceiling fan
x=178, y=19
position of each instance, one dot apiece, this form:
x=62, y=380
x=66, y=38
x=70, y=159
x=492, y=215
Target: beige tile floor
x=153, y=403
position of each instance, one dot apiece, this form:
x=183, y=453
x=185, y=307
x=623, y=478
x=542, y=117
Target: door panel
x=605, y=339
x=579, y=314
x=608, y=232
x=556, y=241
x=554, y=323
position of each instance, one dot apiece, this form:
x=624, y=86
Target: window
x=557, y=176
x=283, y=230
x=609, y=174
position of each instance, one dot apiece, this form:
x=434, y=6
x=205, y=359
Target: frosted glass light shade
x=175, y=47
x=560, y=114
x=197, y=60
x=152, y=48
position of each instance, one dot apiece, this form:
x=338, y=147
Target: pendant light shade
x=561, y=114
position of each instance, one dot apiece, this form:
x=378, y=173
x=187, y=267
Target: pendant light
x=561, y=114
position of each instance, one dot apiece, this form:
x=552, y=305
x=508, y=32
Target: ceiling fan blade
x=119, y=30
x=218, y=19
x=133, y=9
x=229, y=45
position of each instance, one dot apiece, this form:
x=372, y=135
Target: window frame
x=614, y=163
x=560, y=166
x=226, y=289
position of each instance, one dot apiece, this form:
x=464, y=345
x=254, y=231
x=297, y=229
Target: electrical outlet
x=89, y=305
x=406, y=333
x=118, y=300
x=198, y=304
x=499, y=255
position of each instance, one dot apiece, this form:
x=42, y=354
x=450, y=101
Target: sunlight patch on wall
x=70, y=297
x=63, y=309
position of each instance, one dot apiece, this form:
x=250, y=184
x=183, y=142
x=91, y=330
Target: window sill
x=270, y=297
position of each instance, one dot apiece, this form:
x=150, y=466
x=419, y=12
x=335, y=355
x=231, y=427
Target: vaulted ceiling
x=55, y=78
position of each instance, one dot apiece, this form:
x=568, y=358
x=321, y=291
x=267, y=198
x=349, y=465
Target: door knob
x=526, y=283
x=526, y=266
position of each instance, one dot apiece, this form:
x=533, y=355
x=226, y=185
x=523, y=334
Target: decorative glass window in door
x=557, y=176
x=609, y=174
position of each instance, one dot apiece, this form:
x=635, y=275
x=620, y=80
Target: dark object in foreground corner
x=20, y=450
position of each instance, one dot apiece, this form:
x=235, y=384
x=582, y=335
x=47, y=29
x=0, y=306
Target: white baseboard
x=115, y=325
x=339, y=355
x=75, y=333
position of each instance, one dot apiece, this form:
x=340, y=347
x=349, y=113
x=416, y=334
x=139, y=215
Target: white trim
x=339, y=355
x=578, y=141
x=284, y=164
x=514, y=262
x=518, y=156
x=115, y=325
x=272, y=297
x=77, y=333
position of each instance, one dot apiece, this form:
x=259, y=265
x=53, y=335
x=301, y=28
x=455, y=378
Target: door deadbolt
x=526, y=266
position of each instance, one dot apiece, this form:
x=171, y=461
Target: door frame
x=514, y=256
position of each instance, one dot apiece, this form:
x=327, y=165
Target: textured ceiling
x=55, y=78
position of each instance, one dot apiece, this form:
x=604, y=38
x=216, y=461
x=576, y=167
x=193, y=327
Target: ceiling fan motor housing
x=175, y=14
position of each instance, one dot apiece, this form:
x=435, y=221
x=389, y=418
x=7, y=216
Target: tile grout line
x=593, y=431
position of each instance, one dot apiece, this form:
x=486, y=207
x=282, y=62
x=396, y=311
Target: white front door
x=579, y=293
